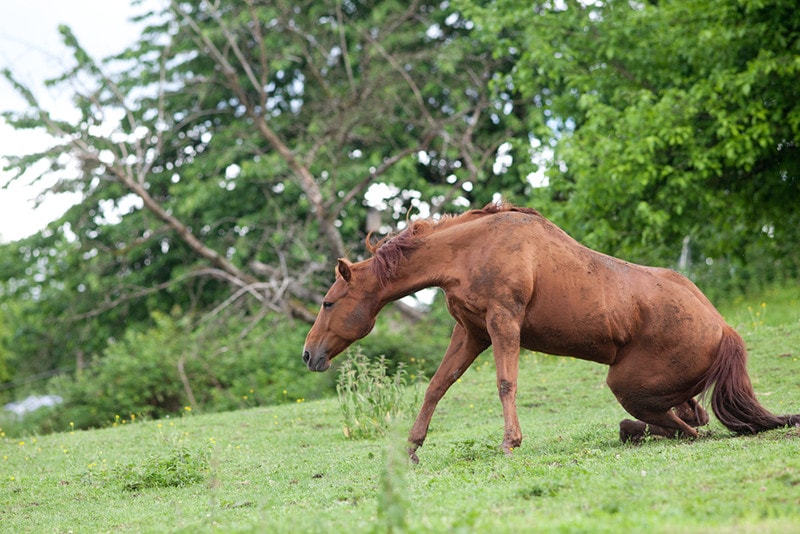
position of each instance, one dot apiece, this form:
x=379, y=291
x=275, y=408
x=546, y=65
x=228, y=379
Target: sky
x=31, y=47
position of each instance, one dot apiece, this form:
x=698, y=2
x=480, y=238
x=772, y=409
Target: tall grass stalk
x=393, y=501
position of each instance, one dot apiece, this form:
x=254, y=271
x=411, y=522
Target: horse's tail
x=733, y=400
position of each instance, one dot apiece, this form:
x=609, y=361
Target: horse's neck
x=428, y=266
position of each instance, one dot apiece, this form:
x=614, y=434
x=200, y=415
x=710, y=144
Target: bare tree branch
x=306, y=179
x=345, y=48
x=407, y=77
x=374, y=175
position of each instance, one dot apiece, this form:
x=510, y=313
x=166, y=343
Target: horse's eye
x=327, y=305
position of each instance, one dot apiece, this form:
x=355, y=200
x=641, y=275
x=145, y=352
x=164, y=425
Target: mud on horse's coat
x=513, y=279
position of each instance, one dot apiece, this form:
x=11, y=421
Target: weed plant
x=370, y=399
x=178, y=467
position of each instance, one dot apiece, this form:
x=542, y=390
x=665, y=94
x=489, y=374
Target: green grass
x=291, y=469
x=776, y=306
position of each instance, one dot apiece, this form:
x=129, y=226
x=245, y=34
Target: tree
x=228, y=153
x=670, y=119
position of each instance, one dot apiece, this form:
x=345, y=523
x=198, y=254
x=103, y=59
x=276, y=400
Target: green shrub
x=236, y=361
x=180, y=466
x=136, y=375
x=370, y=400
x=420, y=345
x=176, y=366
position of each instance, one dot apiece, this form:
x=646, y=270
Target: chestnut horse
x=513, y=279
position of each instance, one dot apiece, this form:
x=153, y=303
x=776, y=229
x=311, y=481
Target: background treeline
x=238, y=148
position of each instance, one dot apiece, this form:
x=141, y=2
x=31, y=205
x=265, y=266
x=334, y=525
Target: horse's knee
x=631, y=431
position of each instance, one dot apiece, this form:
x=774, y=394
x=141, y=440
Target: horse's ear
x=343, y=267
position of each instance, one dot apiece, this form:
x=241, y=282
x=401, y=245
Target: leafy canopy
x=669, y=119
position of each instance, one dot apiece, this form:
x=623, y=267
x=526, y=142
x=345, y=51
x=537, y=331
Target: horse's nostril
x=306, y=356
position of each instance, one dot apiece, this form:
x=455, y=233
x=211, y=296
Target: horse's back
x=586, y=304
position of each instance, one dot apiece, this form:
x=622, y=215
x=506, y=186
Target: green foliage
x=667, y=120
x=138, y=375
x=177, y=467
x=5, y=335
x=231, y=362
x=370, y=400
x=176, y=368
x=226, y=155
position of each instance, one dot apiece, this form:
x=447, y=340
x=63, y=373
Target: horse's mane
x=390, y=251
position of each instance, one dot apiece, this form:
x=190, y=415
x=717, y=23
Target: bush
x=181, y=466
x=174, y=367
x=371, y=400
x=420, y=345
x=234, y=362
x=758, y=266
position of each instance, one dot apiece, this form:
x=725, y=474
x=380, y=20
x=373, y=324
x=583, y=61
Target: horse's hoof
x=508, y=450
x=412, y=455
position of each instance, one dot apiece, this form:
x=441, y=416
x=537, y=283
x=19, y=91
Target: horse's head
x=348, y=313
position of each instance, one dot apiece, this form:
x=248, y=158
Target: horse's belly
x=566, y=342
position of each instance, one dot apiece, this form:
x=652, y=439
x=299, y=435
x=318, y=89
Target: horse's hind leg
x=690, y=412
x=632, y=431
x=666, y=424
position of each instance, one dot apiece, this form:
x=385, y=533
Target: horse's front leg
x=504, y=331
x=460, y=354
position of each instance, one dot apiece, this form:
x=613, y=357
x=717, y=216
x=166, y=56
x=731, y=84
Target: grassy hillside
x=290, y=468
x=775, y=306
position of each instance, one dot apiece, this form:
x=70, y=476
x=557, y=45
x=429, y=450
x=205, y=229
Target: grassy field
x=775, y=306
x=290, y=468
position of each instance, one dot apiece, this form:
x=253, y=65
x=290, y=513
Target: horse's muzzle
x=317, y=363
